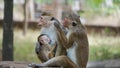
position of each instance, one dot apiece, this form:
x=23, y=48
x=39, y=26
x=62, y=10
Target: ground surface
x=105, y=64
x=10, y=64
x=96, y=64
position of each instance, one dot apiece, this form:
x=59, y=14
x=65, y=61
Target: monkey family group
x=62, y=44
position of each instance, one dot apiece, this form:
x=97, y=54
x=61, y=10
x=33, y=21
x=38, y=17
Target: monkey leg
x=59, y=61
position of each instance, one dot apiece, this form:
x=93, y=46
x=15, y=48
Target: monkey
x=78, y=40
x=51, y=27
x=77, y=46
x=45, y=51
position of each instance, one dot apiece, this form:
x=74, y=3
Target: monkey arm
x=51, y=52
x=65, y=30
x=60, y=34
x=70, y=39
x=61, y=37
x=53, y=48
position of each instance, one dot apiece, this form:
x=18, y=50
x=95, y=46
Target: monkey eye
x=74, y=23
x=41, y=17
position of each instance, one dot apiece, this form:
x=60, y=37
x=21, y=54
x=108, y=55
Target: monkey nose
x=41, y=18
x=40, y=21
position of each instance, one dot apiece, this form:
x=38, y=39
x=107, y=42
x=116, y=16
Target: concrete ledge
x=115, y=63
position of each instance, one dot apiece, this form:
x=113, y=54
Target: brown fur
x=45, y=53
x=54, y=29
x=60, y=38
x=76, y=38
x=77, y=34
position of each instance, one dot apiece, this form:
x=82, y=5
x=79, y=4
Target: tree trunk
x=31, y=7
x=7, y=43
x=26, y=14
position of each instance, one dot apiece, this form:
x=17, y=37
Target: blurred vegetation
x=94, y=3
x=99, y=8
x=24, y=46
x=116, y=2
x=44, y=1
x=91, y=7
x=104, y=52
x=102, y=47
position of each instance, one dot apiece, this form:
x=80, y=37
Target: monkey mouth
x=39, y=24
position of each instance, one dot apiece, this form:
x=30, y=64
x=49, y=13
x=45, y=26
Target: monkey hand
x=50, y=55
x=45, y=42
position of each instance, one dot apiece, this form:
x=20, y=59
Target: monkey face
x=69, y=23
x=65, y=22
x=72, y=20
x=45, y=21
x=44, y=40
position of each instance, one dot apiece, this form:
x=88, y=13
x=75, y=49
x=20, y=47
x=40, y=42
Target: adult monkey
x=51, y=27
x=77, y=45
x=77, y=40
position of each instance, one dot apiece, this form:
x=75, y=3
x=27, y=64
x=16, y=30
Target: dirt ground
x=114, y=63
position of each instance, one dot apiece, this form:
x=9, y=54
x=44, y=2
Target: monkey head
x=72, y=20
x=44, y=39
x=45, y=21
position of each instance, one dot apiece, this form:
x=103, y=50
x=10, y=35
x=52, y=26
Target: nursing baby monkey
x=45, y=52
x=77, y=46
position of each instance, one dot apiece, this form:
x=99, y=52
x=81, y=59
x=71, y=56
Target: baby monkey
x=45, y=51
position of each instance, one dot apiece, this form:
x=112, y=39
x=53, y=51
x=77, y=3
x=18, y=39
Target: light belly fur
x=51, y=33
x=71, y=53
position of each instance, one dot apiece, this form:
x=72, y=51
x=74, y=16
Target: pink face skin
x=44, y=21
x=44, y=39
x=65, y=22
